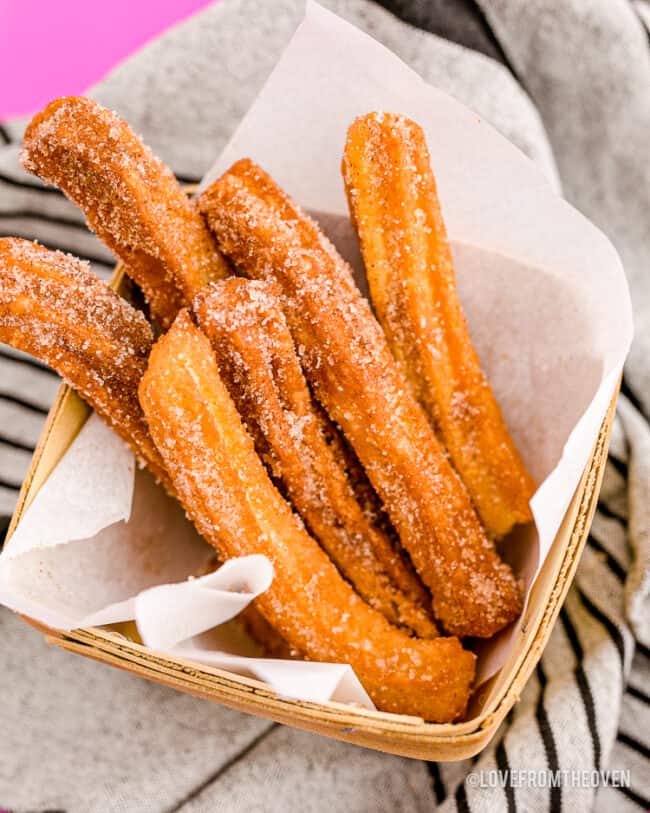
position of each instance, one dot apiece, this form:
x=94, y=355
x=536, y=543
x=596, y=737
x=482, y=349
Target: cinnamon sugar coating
x=130, y=198
x=226, y=491
x=346, y=359
x=54, y=307
x=410, y=270
x=257, y=360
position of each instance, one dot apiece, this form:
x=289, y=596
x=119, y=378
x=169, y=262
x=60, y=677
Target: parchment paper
x=548, y=308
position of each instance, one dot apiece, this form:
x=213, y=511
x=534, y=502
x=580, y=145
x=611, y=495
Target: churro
x=55, y=308
x=347, y=360
x=226, y=491
x=257, y=360
x=130, y=198
x=410, y=270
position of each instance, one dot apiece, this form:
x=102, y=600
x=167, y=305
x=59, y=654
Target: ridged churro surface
x=347, y=360
x=257, y=359
x=225, y=489
x=394, y=205
x=54, y=307
x=130, y=198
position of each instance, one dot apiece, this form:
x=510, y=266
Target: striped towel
x=568, y=81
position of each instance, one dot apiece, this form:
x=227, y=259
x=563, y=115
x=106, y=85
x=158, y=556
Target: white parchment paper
x=548, y=308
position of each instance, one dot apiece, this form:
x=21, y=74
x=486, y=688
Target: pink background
x=52, y=48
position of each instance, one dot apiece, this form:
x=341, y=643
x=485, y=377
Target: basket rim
x=256, y=697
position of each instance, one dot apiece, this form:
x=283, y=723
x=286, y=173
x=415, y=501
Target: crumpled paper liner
x=547, y=304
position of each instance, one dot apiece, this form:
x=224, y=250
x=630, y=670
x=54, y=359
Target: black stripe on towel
x=583, y=685
x=632, y=397
x=462, y=22
x=195, y=792
x=15, y=444
x=12, y=486
x=635, y=797
x=614, y=565
x=186, y=180
x=503, y=765
x=30, y=362
x=23, y=403
x=5, y=138
x=619, y=465
x=607, y=512
x=460, y=797
x=57, y=220
x=436, y=782
x=32, y=187
x=614, y=632
x=634, y=744
x=4, y=527
x=546, y=732
x=640, y=695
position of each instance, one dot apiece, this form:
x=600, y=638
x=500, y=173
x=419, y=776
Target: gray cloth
x=566, y=80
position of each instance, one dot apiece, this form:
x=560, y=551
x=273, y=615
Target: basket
x=395, y=734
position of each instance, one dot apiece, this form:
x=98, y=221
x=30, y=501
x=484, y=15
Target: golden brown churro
x=394, y=205
x=348, y=362
x=53, y=307
x=226, y=491
x=257, y=359
x=131, y=199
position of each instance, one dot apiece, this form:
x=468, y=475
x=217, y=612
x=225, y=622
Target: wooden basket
x=395, y=734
